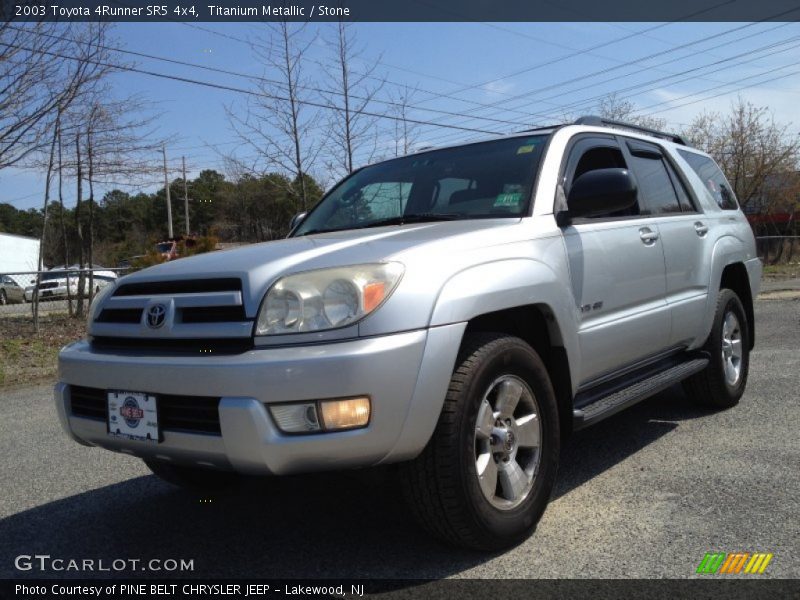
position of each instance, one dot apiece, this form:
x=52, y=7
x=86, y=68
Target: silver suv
x=458, y=311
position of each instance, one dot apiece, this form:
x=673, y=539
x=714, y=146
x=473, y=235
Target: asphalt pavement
x=644, y=494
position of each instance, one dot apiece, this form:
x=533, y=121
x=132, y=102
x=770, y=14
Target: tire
x=443, y=487
x=722, y=383
x=193, y=478
x=3, y=298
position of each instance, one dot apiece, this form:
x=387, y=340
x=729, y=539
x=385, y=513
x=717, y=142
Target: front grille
x=47, y=285
x=199, y=314
x=172, y=346
x=196, y=414
x=197, y=302
x=120, y=315
x=211, y=314
x=193, y=286
x=88, y=402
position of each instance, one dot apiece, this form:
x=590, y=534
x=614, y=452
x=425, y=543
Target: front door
x=617, y=273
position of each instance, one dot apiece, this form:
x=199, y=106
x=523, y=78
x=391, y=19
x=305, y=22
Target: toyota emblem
x=156, y=315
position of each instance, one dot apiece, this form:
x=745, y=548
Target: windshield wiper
x=413, y=218
x=399, y=220
x=313, y=231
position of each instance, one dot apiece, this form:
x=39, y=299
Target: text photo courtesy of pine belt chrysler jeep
x=457, y=311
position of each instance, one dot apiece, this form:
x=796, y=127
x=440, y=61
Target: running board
x=597, y=405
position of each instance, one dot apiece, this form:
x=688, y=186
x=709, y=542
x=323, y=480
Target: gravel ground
x=643, y=494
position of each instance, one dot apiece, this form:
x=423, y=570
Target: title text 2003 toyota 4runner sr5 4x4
x=458, y=311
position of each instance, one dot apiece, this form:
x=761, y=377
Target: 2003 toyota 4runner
x=458, y=311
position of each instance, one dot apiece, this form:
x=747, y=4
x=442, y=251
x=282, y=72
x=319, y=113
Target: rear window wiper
x=413, y=218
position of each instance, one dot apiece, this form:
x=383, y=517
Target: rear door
x=684, y=236
x=617, y=272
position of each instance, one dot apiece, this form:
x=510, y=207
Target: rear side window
x=713, y=179
x=683, y=196
x=655, y=186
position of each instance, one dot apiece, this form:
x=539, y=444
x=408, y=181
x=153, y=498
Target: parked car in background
x=168, y=250
x=60, y=283
x=10, y=291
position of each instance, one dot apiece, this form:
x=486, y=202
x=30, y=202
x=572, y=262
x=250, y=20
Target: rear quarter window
x=713, y=179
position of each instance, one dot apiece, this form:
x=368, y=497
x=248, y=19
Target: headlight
x=326, y=298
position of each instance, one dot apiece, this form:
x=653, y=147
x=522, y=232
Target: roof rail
x=541, y=128
x=602, y=121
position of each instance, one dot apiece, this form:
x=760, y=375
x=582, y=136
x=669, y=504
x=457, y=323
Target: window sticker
x=526, y=149
x=508, y=200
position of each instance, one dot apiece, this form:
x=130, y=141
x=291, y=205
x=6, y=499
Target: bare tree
x=277, y=124
x=116, y=144
x=37, y=80
x=750, y=147
x=109, y=140
x=62, y=219
x=619, y=109
x=40, y=262
x=405, y=132
x=65, y=81
x=350, y=96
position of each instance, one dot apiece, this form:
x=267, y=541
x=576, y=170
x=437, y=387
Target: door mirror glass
x=600, y=192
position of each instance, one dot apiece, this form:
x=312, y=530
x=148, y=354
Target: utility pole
x=166, y=188
x=185, y=196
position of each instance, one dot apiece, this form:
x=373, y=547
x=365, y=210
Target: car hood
x=259, y=265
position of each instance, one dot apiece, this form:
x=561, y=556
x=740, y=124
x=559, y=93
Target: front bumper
x=405, y=374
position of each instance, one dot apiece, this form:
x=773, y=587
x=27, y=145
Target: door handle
x=700, y=228
x=648, y=236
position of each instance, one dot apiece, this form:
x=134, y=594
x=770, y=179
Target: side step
x=596, y=405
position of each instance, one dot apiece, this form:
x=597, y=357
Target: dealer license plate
x=133, y=415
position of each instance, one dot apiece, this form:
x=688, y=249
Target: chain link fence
x=58, y=290
x=778, y=249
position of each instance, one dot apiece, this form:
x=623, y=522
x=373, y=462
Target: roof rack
x=540, y=128
x=601, y=121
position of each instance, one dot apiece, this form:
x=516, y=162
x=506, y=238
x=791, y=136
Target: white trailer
x=18, y=254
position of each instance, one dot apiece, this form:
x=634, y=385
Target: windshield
x=483, y=180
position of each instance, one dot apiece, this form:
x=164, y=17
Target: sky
x=499, y=76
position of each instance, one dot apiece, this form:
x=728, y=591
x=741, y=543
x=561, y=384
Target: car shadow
x=333, y=525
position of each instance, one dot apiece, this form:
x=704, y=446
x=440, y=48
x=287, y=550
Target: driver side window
x=591, y=154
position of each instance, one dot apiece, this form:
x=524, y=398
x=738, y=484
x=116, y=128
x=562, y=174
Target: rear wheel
x=485, y=477
x=722, y=383
x=193, y=478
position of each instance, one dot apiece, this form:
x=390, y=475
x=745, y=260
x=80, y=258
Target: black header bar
x=159, y=11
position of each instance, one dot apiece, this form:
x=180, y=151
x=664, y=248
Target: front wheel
x=485, y=477
x=193, y=478
x=3, y=298
x=721, y=384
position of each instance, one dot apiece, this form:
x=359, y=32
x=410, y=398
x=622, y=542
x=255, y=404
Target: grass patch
x=783, y=271
x=27, y=356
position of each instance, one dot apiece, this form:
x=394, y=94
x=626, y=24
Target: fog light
x=296, y=418
x=348, y=413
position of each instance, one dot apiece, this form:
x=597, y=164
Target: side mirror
x=601, y=191
x=296, y=220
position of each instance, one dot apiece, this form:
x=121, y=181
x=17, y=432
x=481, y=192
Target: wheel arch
x=734, y=277
x=537, y=325
x=729, y=271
